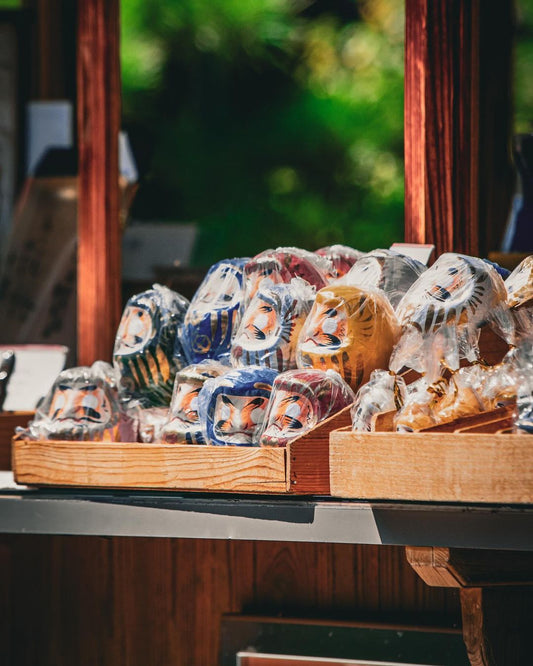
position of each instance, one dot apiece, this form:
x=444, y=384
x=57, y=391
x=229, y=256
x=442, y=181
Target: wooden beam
x=99, y=269
x=457, y=122
x=462, y=567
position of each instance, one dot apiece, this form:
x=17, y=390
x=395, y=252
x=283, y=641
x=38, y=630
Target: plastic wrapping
x=341, y=256
x=390, y=271
x=463, y=396
x=519, y=284
x=384, y=392
x=182, y=425
x=442, y=313
x=418, y=411
x=518, y=368
x=470, y=390
x=350, y=330
x=283, y=264
x=270, y=325
x=150, y=422
x=82, y=405
x=214, y=313
x=232, y=407
x=145, y=352
x=519, y=287
x=300, y=400
x=502, y=272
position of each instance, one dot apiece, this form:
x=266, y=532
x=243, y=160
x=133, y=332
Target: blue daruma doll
x=232, y=407
x=214, y=313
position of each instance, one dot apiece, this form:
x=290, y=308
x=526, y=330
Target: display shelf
x=192, y=515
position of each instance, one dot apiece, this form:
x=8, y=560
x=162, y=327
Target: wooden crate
x=471, y=461
x=301, y=468
x=8, y=422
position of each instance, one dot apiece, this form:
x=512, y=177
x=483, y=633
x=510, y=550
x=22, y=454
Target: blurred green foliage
x=523, y=96
x=267, y=122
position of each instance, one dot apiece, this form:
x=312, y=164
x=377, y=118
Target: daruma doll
x=183, y=424
x=270, y=325
x=341, y=256
x=144, y=353
x=81, y=405
x=300, y=400
x=443, y=311
x=214, y=313
x=283, y=264
x=232, y=407
x=349, y=329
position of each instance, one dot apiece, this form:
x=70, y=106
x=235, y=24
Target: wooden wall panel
x=86, y=601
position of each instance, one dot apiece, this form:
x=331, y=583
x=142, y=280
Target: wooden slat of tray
x=308, y=456
x=8, y=422
x=439, y=467
x=150, y=466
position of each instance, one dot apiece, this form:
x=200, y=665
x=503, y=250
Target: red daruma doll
x=300, y=400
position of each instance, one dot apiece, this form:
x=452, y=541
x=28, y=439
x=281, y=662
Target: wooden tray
x=8, y=422
x=301, y=468
x=467, y=464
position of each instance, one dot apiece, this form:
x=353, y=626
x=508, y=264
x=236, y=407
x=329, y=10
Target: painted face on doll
x=328, y=328
x=145, y=352
x=185, y=401
x=456, y=290
x=136, y=329
x=183, y=427
x=301, y=399
x=271, y=324
x=231, y=408
x=291, y=415
x=350, y=330
x=81, y=405
x=85, y=403
x=261, y=324
x=237, y=418
x=183, y=422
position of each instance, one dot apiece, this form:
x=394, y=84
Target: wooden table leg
x=496, y=599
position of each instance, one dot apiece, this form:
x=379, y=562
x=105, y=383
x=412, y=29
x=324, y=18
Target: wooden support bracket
x=496, y=599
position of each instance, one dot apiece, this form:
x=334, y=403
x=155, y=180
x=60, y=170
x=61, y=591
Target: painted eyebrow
x=226, y=400
x=255, y=401
x=291, y=398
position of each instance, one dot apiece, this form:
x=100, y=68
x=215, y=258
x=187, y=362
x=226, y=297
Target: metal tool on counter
x=7, y=365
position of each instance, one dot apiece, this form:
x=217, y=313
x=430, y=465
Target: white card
x=36, y=368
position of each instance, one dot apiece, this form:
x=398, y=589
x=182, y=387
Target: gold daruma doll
x=349, y=329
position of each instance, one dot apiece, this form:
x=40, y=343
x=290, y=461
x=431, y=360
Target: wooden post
x=99, y=268
x=456, y=84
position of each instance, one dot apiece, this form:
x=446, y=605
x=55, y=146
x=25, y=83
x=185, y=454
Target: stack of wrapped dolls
x=271, y=346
